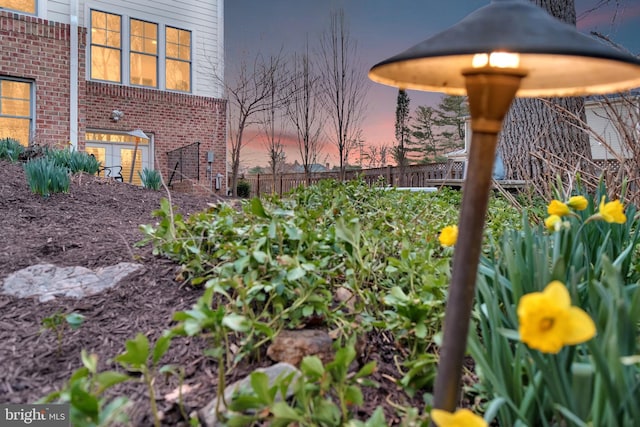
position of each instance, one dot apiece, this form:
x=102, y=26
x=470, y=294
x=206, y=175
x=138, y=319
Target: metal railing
x=184, y=163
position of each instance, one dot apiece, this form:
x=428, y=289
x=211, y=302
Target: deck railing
x=434, y=174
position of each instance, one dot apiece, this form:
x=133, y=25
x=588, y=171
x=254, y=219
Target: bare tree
x=376, y=155
x=534, y=126
x=304, y=110
x=248, y=95
x=344, y=86
x=278, y=87
x=384, y=154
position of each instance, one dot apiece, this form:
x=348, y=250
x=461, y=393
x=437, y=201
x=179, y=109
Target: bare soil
x=96, y=224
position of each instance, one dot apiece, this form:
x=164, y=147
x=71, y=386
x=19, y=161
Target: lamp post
x=508, y=48
x=138, y=135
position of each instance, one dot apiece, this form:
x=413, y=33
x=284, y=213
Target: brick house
x=86, y=72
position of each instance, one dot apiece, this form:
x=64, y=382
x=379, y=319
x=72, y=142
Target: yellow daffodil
x=556, y=207
x=548, y=322
x=578, y=203
x=551, y=222
x=612, y=211
x=449, y=235
x=461, y=418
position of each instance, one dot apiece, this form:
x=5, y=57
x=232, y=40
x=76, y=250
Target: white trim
x=32, y=104
x=220, y=53
x=73, y=75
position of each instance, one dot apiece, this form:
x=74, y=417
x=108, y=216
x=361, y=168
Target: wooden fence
x=430, y=175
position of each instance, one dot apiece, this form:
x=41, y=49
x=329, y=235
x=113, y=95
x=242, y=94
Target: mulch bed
x=95, y=225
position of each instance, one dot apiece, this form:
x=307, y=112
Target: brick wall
x=174, y=119
x=38, y=50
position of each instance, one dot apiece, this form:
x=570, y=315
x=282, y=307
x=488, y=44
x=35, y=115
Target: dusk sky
x=381, y=28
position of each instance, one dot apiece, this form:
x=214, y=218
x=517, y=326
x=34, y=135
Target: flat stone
x=208, y=413
x=47, y=281
x=292, y=346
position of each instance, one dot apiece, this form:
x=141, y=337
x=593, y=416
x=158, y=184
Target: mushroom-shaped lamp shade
x=557, y=59
x=138, y=134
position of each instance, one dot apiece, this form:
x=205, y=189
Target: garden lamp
x=505, y=49
x=138, y=135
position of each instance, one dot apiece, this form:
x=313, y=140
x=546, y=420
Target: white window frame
x=190, y=61
x=125, y=47
x=90, y=45
x=32, y=105
x=156, y=55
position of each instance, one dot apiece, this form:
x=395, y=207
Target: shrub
x=45, y=176
x=150, y=179
x=75, y=161
x=10, y=149
x=243, y=189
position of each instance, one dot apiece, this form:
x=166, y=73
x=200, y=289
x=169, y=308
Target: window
x=178, y=61
x=143, y=59
x=144, y=62
x=106, y=50
x=27, y=6
x=15, y=110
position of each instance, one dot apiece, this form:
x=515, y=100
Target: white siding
x=204, y=18
x=58, y=10
x=604, y=126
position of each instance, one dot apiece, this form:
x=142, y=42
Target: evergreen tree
x=424, y=142
x=403, y=132
x=450, y=118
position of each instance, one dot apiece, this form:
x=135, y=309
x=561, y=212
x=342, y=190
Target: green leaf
x=260, y=385
x=509, y=334
x=570, y=415
x=366, y=370
x=74, y=320
x=377, y=419
x=307, y=310
x=285, y=413
x=295, y=274
x=493, y=407
x=312, y=366
x=137, y=352
x=90, y=361
x=237, y=420
x=421, y=330
x=161, y=347
x=108, y=379
x=236, y=322
x=353, y=395
x=114, y=412
x=260, y=257
x=84, y=402
x=79, y=374
x=257, y=209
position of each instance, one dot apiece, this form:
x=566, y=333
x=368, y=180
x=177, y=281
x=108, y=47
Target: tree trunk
x=539, y=141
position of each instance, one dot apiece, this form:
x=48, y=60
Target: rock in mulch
x=47, y=281
x=292, y=346
x=208, y=413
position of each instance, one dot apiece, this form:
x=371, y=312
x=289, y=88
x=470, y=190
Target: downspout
x=73, y=76
x=221, y=58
